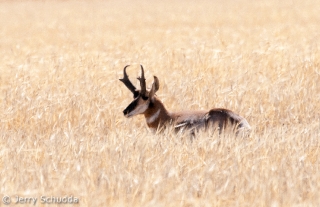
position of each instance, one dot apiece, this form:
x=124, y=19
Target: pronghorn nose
x=125, y=112
x=130, y=108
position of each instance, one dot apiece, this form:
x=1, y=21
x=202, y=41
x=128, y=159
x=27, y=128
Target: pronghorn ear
x=154, y=89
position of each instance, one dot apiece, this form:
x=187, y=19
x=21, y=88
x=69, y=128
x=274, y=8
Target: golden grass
x=62, y=128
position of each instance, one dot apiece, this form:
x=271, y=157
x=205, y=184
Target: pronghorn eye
x=144, y=98
x=136, y=94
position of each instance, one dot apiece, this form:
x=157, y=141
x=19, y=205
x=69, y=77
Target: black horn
x=126, y=80
x=142, y=82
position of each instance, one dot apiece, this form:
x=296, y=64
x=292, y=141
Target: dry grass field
x=63, y=133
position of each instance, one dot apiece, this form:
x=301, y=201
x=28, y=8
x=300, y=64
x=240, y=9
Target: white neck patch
x=153, y=117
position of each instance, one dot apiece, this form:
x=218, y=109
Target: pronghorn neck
x=157, y=115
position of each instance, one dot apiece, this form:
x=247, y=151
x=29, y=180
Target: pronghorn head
x=141, y=98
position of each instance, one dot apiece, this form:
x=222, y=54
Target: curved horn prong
x=126, y=80
x=142, y=82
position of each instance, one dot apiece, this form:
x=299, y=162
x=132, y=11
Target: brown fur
x=164, y=115
x=219, y=117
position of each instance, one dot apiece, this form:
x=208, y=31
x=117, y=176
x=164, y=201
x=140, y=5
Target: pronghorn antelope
x=147, y=103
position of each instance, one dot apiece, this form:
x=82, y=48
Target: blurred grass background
x=62, y=128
